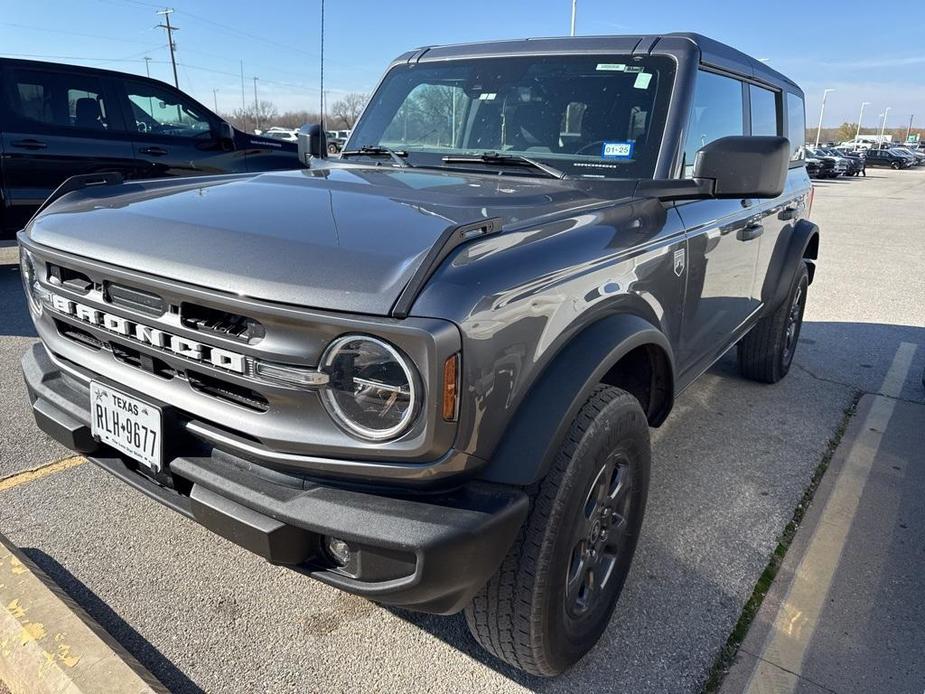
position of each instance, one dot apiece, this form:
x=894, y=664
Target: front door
x=175, y=136
x=722, y=246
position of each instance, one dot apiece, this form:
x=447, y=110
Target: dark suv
x=60, y=120
x=885, y=157
x=425, y=372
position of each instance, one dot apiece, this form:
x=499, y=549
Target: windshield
x=589, y=116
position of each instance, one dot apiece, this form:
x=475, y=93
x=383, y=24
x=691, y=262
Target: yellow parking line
x=781, y=659
x=38, y=473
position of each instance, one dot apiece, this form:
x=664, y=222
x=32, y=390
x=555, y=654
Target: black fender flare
x=542, y=420
x=785, y=261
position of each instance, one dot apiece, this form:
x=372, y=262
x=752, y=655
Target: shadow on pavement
x=131, y=640
x=14, y=316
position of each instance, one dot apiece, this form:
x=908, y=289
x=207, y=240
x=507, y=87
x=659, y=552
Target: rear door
x=58, y=122
x=722, y=234
x=173, y=135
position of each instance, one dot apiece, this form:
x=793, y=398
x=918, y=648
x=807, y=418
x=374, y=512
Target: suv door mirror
x=312, y=143
x=744, y=166
x=224, y=133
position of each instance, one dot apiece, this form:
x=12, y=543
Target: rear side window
x=764, y=111
x=716, y=112
x=796, y=125
x=58, y=100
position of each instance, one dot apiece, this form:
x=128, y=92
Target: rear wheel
x=766, y=352
x=554, y=594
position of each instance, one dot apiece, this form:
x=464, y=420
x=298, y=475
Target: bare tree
x=348, y=109
x=249, y=117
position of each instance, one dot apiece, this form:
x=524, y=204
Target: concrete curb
x=49, y=644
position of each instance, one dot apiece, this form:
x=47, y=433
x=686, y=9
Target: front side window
x=59, y=100
x=764, y=111
x=716, y=112
x=588, y=116
x=159, y=111
x=796, y=125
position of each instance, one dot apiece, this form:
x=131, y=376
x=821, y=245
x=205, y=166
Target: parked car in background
x=58, y=121
x=886, y=157
x=335, y=141
x=859, y=157
x=283, y=134
x=854, y=164
x=839, y=163
x=819, y=168
x=826, y=164
x=918, y=157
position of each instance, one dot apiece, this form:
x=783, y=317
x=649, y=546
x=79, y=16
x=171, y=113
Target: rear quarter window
x=796, y=125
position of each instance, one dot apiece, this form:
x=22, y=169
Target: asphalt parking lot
x=730, y=466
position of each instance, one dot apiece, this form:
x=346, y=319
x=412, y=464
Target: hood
x=344, y=238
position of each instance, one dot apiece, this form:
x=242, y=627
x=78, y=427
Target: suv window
x=716, y=112
x=59, y=100
x=764, y=111
x=796, y=125
x=160, y=111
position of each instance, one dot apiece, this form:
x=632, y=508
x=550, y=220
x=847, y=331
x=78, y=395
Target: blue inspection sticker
x=617, y=150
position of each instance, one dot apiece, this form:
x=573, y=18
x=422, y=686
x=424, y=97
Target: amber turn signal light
x=451, y=388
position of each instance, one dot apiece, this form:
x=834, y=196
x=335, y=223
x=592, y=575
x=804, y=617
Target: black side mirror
x=313, y=143
x=750, y=166
x=224, y=133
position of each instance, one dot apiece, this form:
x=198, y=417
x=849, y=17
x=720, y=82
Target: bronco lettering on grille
x=145, y=334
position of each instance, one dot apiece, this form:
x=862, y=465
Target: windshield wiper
x=504, y=160
x=379, y=150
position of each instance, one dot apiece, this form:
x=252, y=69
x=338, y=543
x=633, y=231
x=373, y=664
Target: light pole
x=256, y=107
x=574, y=7
x=147, y=66
x=909, y=129
x=215, y=99
x=860, y=116
x=886, y=112
x=821, y=113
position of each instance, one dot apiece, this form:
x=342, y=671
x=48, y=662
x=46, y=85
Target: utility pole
x=170, y=42
x=256, y=107
x=821, y=113
x=909, y=129
x=574, y=8
x=322, y=64
x=243, y=100
x=215, y=99
x=860, y=116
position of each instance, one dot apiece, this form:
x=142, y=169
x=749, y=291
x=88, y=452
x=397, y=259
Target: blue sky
x=818, y=44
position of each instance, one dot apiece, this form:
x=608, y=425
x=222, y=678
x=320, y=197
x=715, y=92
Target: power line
x=170, y=42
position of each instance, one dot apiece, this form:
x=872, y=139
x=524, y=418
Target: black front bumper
x=424, y=551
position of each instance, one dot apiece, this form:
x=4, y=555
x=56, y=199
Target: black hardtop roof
x=709, y=52
x=46, y=64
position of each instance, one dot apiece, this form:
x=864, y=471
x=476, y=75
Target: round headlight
x=30, y=279
x=372, y=392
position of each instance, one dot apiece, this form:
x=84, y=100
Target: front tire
x=554, y=594
x=766, y=352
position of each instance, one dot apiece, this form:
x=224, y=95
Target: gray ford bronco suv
x=425, y=372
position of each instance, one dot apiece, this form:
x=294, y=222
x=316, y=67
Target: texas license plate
x=129, y=425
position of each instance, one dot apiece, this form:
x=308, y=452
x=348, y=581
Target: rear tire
x=554, y=594
x=766, y=352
